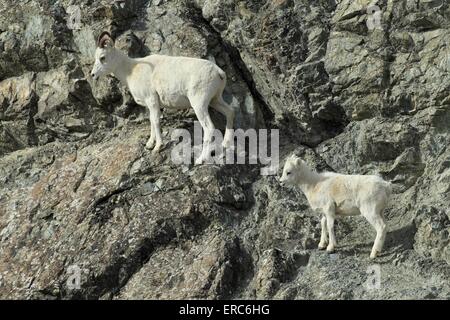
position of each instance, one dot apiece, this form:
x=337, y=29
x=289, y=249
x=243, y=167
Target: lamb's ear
x=105, y=40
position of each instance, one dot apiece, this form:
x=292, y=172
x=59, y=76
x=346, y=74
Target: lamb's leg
x=201, y=110
x=152, y=140
x=323, y=235
x=228, y=112
x=377, y=221
x=155, y=116
x=330, y=215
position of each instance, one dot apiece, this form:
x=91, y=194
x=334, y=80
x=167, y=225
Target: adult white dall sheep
x=338, y=195
x=172, y=82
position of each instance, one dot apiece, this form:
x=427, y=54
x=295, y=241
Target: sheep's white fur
x=173, y=82
x=337, y=195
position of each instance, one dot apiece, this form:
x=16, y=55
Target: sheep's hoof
x=322, y=246
x=373, y=255
x=330, y=249
x=202, y=158
x=226, y=144
x=157, y=148
x=199, y=161
x=150, y=145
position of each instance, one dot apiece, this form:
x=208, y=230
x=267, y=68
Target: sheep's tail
x=389, y=188
x=222, y=74
x=388, y=184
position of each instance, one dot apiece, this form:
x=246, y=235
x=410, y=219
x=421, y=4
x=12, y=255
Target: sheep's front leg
x=155, y=140
x=323, y=235
x=330, y=216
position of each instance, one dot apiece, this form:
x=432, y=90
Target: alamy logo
x=374, y=279
x=256, y=140
x=374, y=15
x=74, y=280
x=130, y=5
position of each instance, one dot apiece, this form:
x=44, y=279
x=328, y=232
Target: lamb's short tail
x=389, y=188
x=222, y=74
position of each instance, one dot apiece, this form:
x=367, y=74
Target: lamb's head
x=104, y=56
x=293, y=171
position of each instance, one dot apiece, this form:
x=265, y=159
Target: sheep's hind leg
x=377, y=222
x=323, y=235
x=330, y=215
x=152, y=140
x=155, y=140
x=225, y=109
x=201, y=110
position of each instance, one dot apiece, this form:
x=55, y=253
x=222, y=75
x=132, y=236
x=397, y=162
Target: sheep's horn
x=104, y=37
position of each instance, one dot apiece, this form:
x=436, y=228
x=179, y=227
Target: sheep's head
x=104, y=56
x=292, y=171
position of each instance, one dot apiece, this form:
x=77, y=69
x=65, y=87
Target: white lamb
x=173, y=82
x=338, y=195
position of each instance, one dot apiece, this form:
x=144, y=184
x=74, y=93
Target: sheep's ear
x=105, y=40
x=298, y=161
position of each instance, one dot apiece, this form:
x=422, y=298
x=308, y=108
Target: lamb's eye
x=102, y=59
x=288, y=173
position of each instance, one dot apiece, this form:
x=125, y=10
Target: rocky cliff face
x=81, y=198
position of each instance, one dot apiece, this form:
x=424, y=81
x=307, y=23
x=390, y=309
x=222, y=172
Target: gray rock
x=79, y=192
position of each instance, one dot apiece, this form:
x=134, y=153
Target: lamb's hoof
x=330, y=249
x=157, y=148
x=150, y=145
x=226, y=144
x=373, y=255
x=199, y=161
x=322, y=246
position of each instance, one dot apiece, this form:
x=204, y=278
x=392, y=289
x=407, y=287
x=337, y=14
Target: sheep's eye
x=102, y=59
x=288, y=173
